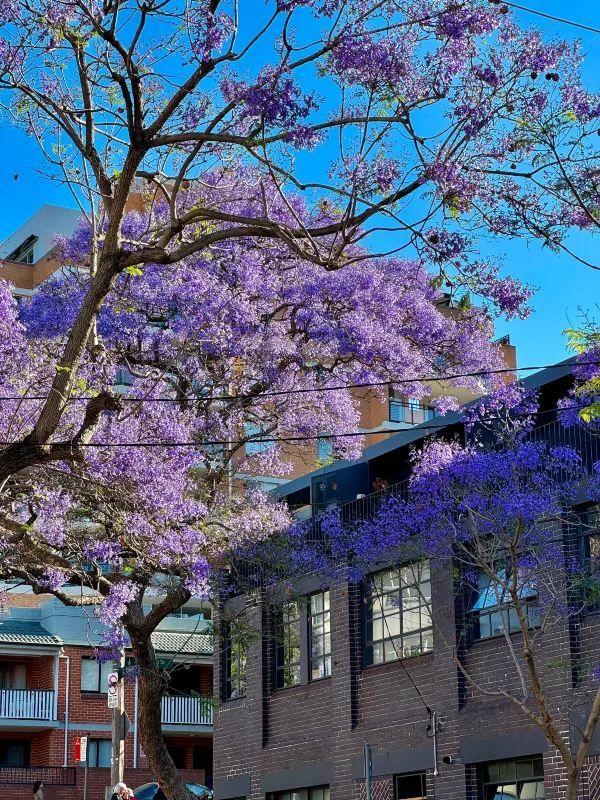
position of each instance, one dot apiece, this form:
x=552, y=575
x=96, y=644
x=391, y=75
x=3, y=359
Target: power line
x=307, y=390
x=544, y=14
x=303, y=438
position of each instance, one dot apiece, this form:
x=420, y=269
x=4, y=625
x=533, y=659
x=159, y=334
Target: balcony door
x=13, y=675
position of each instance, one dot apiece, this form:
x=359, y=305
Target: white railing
x=27, y=704
x=187, y=710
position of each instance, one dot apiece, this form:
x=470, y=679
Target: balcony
x=187, y=710
x=412, y=413
x=32, y=704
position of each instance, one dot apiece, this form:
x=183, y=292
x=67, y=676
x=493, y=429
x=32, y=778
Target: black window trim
x=366, y=642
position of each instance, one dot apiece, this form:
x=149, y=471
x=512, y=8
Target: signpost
x=80, y=753
x=113, y=690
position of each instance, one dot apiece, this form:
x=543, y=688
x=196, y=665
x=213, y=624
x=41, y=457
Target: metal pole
x=67, y=690
x=135, y=719
x=434, y=736
x=117, y=762
x=368, y=770
x=85, y=774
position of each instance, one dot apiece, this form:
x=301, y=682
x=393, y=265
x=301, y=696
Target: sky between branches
x=564, y=286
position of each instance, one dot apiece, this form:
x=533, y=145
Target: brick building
x=318, y=678
x=53, y=690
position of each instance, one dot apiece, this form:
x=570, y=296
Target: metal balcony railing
x=411, y=413
x=182, y=709
x=585, y=443
x=27, y=704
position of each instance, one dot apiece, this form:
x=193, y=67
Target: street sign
x=77, y=749
x=83, y=748
x=113, y=690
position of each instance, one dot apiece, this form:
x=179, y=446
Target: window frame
x=241, y=681
x=94, y=747
x=505, y=610
x=325, y=614
x=102, y=686
x=590, y=596
x=304, y=793
x=370, y=642
x=284, y=644
x=515, y=779
x=397, y=778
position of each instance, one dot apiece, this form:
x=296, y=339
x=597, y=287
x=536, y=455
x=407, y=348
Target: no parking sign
x=113, y=690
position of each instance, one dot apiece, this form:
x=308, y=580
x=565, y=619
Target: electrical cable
x=544, y=14
x=312, y=437
x=340, y=387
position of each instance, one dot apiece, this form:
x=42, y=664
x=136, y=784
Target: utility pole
x=117, y=762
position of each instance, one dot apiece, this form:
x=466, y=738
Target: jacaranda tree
x=282, y=158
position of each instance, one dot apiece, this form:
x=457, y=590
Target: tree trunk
x=573, y=781
x=151, y=686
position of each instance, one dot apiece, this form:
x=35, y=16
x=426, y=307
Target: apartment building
x=28, y=256
x=53, y=690
x=321, y=677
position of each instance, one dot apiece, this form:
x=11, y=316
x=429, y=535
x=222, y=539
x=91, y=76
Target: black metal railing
x=365, y=507
x=50, y=776
x=585, y=443
x=411, y=413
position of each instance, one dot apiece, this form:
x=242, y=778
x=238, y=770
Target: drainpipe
x=56, y=673
x=135, y=723
x=67, y=689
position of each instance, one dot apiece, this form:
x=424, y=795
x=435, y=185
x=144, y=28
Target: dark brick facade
x=314, y=734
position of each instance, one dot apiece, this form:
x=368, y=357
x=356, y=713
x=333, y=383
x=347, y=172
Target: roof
x=20, y=631
x=413, y=434
x=186, y=643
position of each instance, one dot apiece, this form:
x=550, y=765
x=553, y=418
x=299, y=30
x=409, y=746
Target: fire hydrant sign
x=80, y=748
x=113, y=690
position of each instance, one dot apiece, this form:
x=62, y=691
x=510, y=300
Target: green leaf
x=134, y=271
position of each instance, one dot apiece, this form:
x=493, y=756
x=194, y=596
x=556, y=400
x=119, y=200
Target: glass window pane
x=532, y=790
x=377, y=654
x=412, y=645
x=104, y=753
x=105, y=669
x=89, y=675
x=390, y=580
x=411, y=621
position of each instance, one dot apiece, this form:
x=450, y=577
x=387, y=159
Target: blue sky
x=565, y=287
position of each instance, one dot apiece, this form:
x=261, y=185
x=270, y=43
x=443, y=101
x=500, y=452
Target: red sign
x=77, y=749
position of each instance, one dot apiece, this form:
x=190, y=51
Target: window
x=409, y=410
x=13, y=676
x=94, y=675
x=318, y=793
x=590, y=552
x=493, y=613
x=15, y=752
x=287, y=646
x=398, y=621
x=521, y=779
x=99, y=752
x=325, y=453
x=256, y=432
x=410, y=787
x=236, y=653
x=320, y=636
